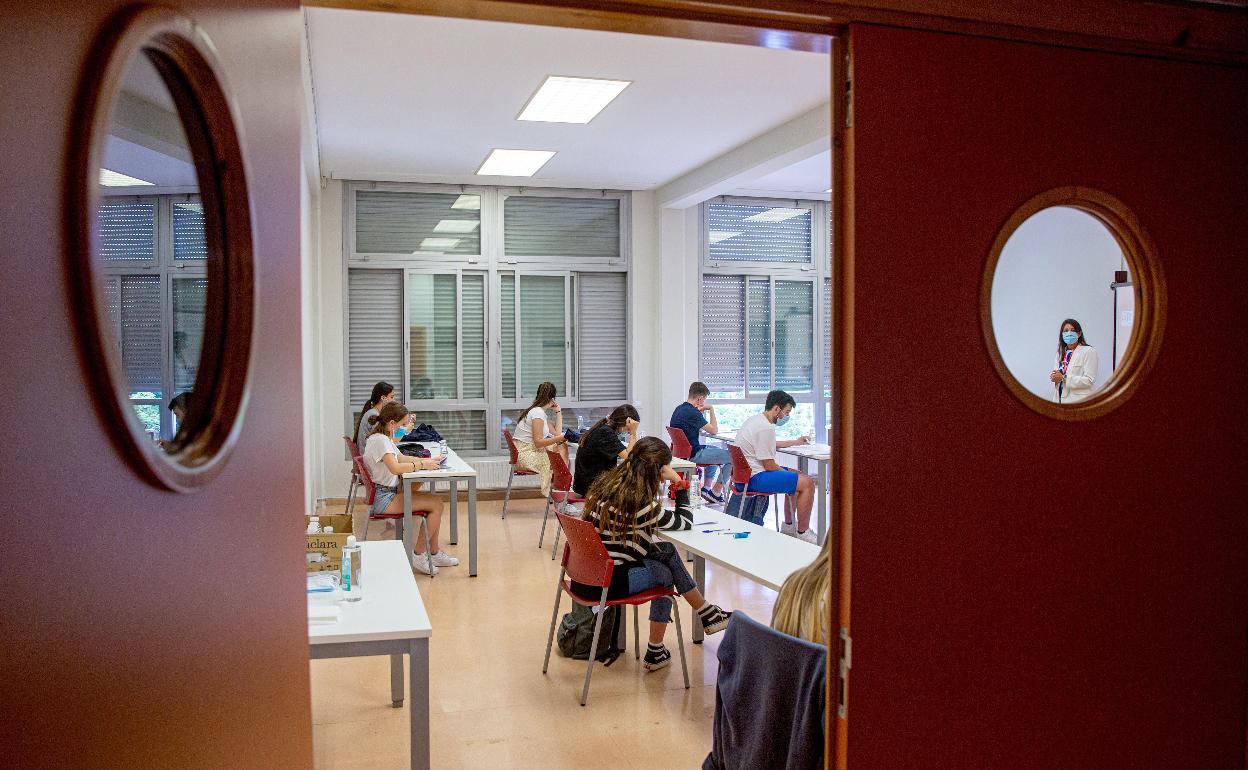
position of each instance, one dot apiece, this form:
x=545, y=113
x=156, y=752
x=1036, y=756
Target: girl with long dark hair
x=603, y=445
x=383, y=393
x=1075, y=368
x=533, y=438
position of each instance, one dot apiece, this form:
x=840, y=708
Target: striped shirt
x=640, y=541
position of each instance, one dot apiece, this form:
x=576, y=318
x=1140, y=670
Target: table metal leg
x=396, y=680
x=418, y=703
x=454, y=485
x=472, y=526
x=823, y=501
x=699, y=575
x=408, y=530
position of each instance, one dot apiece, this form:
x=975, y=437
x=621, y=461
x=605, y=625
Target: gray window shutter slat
x=602, y=299
x=561, y=227
x=827, y=336
x=472, y=312
x=795, y=326
x=189, y=241
x=740, y=232
x=760, y=335
x=375, y=331
x=463, y=431
x=543, y=336
x=723, y=333
x=127, y=231
x=417, y=223
x=507, y=342
x=142, y=343
x=189, y=296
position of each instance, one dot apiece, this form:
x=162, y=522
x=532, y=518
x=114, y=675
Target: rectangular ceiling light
x=467, y=203
x=571, y=100
x=439, y=244
x=514, y=162
x=776, y=215
x=715, y=236
x=114, y=179
x=456, y=226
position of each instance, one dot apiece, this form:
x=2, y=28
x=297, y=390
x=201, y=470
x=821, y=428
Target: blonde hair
x=802, y=606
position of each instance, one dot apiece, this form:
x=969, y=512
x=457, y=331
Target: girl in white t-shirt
x=385, y=464
x=533, y=438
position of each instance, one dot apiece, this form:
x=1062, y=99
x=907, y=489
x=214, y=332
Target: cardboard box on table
x=325, y=551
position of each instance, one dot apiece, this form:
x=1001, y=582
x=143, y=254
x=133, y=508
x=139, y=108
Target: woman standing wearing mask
x=1075, y=369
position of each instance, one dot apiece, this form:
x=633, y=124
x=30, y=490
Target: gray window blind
x=189, y=240
x=723, y=334
x=374, y=331
x=188, y=329
x=112, y=298
x=464, y=431
x=795, y=327
x=739, y=232
x=417, y=223
x=760, y=335
x=431, y=333
x=507, y=342
x=142, y=343
x=543, y=338
x=827, y=336
x=472, y=334
x=561, y=227
x=127, y=231
x=603, y=336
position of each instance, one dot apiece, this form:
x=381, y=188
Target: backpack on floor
x=576, y=631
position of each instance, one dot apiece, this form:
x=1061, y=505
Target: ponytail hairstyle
x=391, y=412
x=801, y=607
x=622, y=492
x=618, y=418
x=380, y=391
x=545, y=394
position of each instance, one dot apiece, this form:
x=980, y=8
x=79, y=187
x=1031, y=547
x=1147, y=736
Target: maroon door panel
x=143, y=628
x=998, y=619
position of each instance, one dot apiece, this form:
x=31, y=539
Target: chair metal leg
x=554, y=618
x=680, y=639
x=636, y=633
x=545, y=516
x=351, y=495
x=555, y=548
x=507, y=496
x=593, y=645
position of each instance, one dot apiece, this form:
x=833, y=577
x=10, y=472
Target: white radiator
x=492, y=474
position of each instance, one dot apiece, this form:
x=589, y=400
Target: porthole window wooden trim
x=186, y=60
x=1148, y=285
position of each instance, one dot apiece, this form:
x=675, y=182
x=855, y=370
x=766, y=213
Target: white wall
x=1058, y=264
x=309, y=250
x=677, y=343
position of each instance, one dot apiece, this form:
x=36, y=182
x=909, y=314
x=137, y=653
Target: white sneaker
x=420, y=563
x=788, y=528
x=810, y=536
x=444, y=559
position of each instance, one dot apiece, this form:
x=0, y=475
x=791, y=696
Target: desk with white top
x=821, y=454
x=451, y=472
x=766, y=556
x=389, y=620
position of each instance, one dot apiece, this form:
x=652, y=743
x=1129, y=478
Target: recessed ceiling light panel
x=571, y=100
x=467, y=203
x=115, y=179
x=439, y=245
x=456, y=226
x=514, y=162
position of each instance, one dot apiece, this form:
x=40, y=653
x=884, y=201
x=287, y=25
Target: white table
x=766, y=556
x=389, y=620
x=451, y=472
x=821, y=454
x=687, y=469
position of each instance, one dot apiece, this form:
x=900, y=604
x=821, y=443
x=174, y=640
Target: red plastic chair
x=354, y=449
x=585, y=560
x=366, y=478
x=516, y=470
x=560, y=494
x=741, y=480
x=684, y=450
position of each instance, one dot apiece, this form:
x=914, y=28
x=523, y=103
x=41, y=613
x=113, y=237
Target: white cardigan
x=1080, y=375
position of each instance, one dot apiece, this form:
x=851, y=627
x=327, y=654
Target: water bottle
x=352, y=589
x=442, y=447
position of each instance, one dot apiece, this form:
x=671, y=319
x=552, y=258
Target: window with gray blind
x=602, y=333
x=543, y=332
x=417, y=223
x=757, y=232
x=127, y=230
x=757, y=335
x=189, y=296
x=723, y=334
x=142, y=338
x=188, y=229
x=374, y=331
x=561, y=227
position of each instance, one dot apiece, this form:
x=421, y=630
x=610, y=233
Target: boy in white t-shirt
x=757, y=440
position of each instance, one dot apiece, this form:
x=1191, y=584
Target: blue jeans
x=717, y=458
x=662, y=567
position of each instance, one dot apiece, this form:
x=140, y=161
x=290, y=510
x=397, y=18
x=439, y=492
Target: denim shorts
x=382, y=497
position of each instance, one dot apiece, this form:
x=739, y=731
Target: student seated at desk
x=693, y=418
x=385, y=465
x=604, y=445
x=622, y=505
x=383, y=393
x=533, y=438
x=757, y=440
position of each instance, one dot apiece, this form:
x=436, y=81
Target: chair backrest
x=585, y=558
x=680, y=443
x=511, y=447
x=740, y=468
x=361, y=470
x=560, y=474
x=353, y=447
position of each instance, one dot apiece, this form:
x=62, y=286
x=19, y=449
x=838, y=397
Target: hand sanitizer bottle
x=352, y=589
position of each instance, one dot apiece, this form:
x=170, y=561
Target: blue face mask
x=1070, y=338
x=399, y=433
x=782, y=420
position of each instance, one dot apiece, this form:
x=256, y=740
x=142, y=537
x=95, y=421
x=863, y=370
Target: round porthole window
x=161, y=246
x=1072, y=303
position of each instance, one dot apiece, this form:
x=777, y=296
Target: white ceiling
x=406, y=97
x=811, y=176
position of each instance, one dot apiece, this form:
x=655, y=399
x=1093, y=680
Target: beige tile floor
x=490, y=704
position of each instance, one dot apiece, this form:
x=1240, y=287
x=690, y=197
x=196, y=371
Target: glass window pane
x=561, y=227
x=188, y=329
x=189, y=241
x=472, y=313
x=583, y=419
x=801, y=422
x=433, y=224
x=760, y=335
x=507, y=346
x=464, y=431
x=723, y=335
x=795, y=323
x=127, y=231
x=375, y=331
x=431, y=332
x=142, y=339
x=543, y=339
x=739, y=232
x=149, y=416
